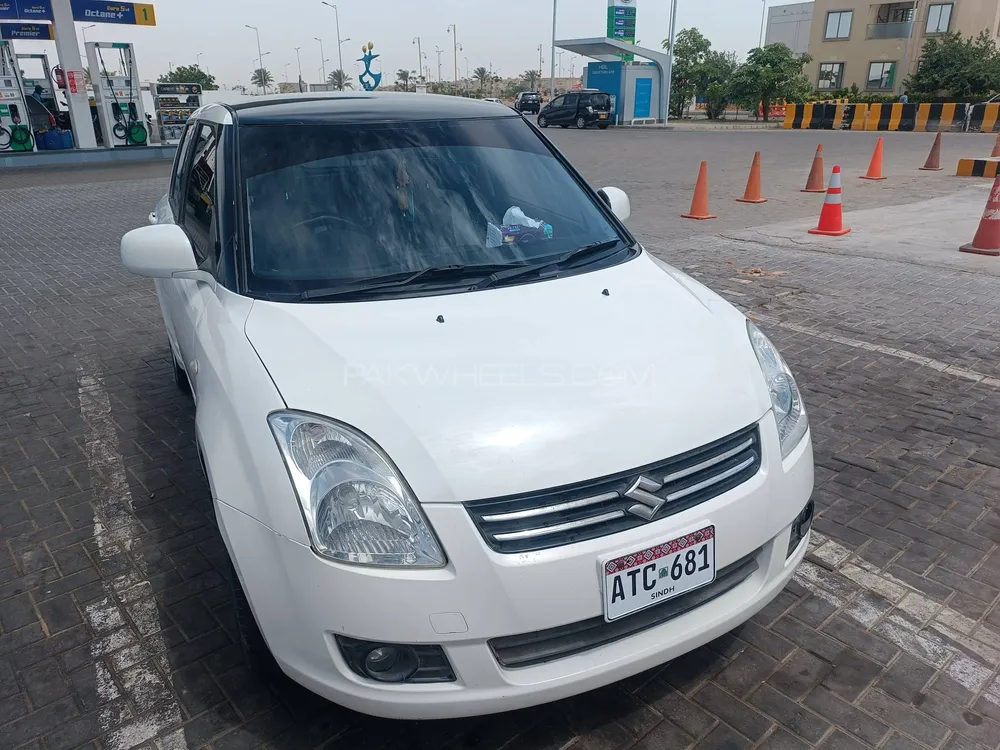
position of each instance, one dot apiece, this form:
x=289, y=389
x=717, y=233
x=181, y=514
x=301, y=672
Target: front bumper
x=302, y=601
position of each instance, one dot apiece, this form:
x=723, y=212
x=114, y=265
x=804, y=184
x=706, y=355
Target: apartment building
x=877, y=45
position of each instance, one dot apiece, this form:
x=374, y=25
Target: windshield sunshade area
x=340, y=205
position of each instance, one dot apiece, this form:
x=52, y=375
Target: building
x=790, y=24
x=876, y=46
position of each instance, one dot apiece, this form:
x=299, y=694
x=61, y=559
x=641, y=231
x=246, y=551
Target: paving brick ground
x=888, y=638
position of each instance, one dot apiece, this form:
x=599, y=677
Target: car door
x=167, y=211
x=198, y=220
x=569, y=109
x=555, y=110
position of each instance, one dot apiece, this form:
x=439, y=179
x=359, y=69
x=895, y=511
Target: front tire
x=581, y=123
x=255, y=650
x=543, y=121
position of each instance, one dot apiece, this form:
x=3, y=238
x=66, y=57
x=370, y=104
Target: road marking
x=891, y=351
x=907, y=618
x=115, y=529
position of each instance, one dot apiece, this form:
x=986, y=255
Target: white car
x=492, y=100
x=471, y=448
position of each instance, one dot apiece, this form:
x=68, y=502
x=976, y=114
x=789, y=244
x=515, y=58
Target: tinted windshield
x=600, y=101
x=331, y=205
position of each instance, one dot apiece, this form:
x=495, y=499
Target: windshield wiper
x=568, y=259
x=454, y=271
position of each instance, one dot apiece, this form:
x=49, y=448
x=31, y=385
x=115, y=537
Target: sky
x=501, y=33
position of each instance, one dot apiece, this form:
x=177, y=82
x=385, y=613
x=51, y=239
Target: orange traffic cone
x=699, y=204
x=875, y=168
x=933, y=163
x=831, y=218
x=752, y=193
x=815, y=182
x=987, y=239
x=996, y=148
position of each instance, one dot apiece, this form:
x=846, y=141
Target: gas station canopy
x=605, y=49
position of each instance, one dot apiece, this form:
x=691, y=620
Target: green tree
x=956, y=68
x=403, y=79
x=530, y=78
x=340, y=79
x=714, y=82
x=770, y=74
x=482, y=75
x=262, y=78
x=190, y=74
x=690, y=50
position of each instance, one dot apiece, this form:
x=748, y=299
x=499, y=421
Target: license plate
x=641, y=579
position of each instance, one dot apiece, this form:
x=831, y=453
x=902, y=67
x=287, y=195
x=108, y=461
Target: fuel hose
x=136, y=133
x=5, y=138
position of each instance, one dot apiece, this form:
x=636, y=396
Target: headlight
x=786, y=400
x=356, y=506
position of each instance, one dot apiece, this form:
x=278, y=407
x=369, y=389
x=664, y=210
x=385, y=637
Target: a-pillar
x=69, y=57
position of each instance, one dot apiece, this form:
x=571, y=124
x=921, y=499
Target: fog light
x=393, y=662
x=800, y=527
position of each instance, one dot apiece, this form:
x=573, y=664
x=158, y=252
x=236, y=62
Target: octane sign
x=621, y=22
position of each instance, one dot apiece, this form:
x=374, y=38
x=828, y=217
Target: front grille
x=556, y=643
x=540, y=520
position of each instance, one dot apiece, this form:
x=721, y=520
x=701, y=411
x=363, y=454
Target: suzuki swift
x=471, y=448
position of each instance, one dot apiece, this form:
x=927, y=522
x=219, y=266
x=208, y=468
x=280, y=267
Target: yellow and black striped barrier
x=978, y=167
x=984, y=118
x=821, y=116
x=919, y=118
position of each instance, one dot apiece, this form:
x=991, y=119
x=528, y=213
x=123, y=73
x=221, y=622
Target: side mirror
x=617, y=201
x=161, y=251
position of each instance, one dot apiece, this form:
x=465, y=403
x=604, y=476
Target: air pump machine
x=15, y=125
x=117, y=94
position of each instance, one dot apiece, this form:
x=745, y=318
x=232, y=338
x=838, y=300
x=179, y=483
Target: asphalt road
x=116, y=623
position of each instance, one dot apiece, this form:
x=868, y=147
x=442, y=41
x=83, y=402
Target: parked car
x=578, y=108
x=492, y=100
x=457, y=473
x=528, y=101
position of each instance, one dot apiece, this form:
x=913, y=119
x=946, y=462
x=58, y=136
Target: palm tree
x=261, y=77
x=482, y=75
x=403, y=79
x=339, y=79
x=531, y=79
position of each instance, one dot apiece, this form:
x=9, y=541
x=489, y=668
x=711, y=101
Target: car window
x=181, y=160
x=200, y=194
x=331, y=205
x=571, y=100
x=558, y=101
x=600, y=101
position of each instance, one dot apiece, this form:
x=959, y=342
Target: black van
x=578, y=108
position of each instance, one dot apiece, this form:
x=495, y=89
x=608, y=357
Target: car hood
x=510, y=390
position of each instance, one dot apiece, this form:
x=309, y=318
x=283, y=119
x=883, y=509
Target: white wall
x=790, y=24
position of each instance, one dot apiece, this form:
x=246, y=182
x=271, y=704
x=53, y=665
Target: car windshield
x=338, y=206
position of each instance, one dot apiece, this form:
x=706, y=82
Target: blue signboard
x=42, y=31
x=624, y=11
x=643, y=97
x=92, y=11
x=25, y=10
x=606, y=76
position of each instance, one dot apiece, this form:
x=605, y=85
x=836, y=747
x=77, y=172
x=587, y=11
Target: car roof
x=362, y=107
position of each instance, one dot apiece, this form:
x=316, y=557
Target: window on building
x=939, y=18
x=838, y=24
x=882, y=76
x=831, y=76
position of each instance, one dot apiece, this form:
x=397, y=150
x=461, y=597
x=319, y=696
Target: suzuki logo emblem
x=647, y=504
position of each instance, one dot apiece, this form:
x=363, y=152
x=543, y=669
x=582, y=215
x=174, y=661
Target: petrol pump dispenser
x=15, y=125
x=118, y=97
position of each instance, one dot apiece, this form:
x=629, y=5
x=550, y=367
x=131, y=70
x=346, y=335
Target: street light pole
x=453, y=30
x=322, y=57
x=259, y=55
x=340, y=53
x=420, y=54
x=552, y=60
x=298, y=59
x=286, y=72
x=670, y=59
x=541, y=70
x=439, y=51
x=763, y=16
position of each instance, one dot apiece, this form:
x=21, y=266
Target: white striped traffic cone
x=831, y=218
